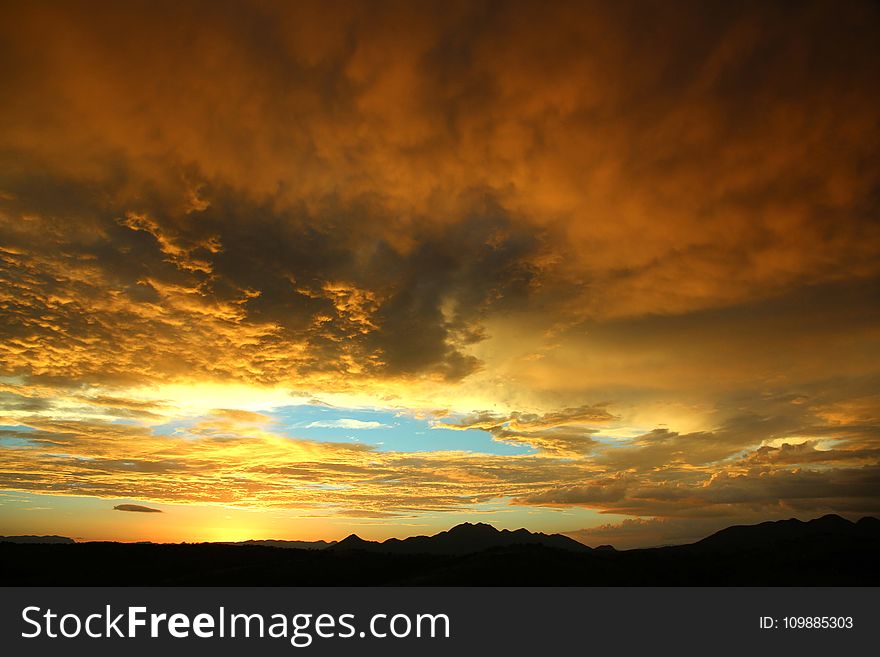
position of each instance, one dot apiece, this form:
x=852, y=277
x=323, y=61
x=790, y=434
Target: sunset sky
x=295, y=270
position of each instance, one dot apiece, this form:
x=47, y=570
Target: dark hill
x=36, y=539
x=353, y=542
x=868, y=526
x=766, y=534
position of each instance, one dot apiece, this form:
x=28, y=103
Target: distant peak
x=473, y=527
x=36, y=539
x=791, y=529
x=832, y=518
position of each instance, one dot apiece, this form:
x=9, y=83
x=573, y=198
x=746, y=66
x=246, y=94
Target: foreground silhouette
x=822, y=552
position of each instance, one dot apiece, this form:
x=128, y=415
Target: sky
x=293, y=270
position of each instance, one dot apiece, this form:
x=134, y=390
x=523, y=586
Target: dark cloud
x=566, y=432
x=806, y=452
x=687, y=159
x=268, y=283
x=599, y=492
x=10, y=401
x=137, y=508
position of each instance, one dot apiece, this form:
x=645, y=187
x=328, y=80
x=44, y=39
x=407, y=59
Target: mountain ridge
x=36, y=539
x=467, y=537
x=464, y=538
x=738, y=537
x=828, y=551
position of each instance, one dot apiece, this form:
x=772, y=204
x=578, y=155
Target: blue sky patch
x=384, y=429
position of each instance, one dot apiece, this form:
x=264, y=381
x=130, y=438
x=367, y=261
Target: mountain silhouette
x=765, y=534
x=36, y=539
x=827, y=551
x=353, y=542
x=461, y=539
x=869, y=526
